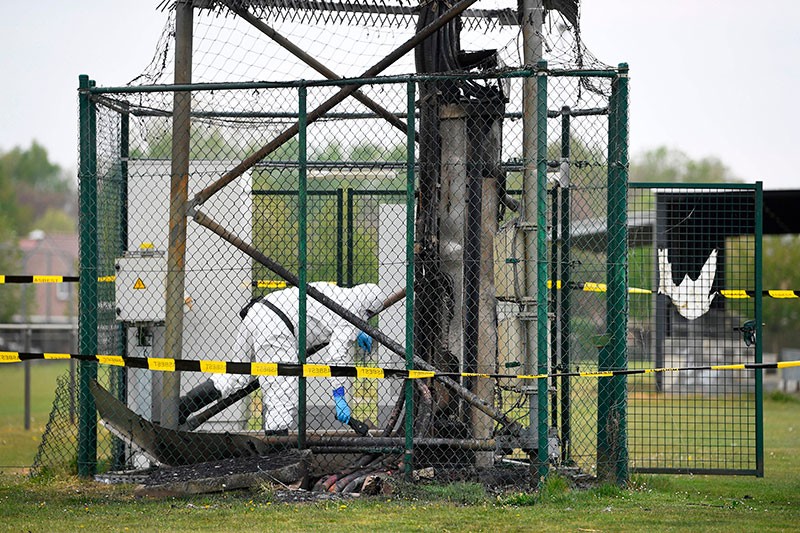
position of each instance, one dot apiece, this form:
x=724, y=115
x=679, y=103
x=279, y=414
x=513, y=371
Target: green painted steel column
x=612, y=455
x=340, y=236
x=408, y=459
x=302, y=256
x=87, y=295
x=541, y=262
x=565, y=318
x=119, y=382
x=759, y=207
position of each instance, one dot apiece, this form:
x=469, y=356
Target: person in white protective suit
x=268, y=333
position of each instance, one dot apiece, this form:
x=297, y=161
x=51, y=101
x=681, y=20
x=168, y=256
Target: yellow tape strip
x=162, y=365
x=734, y=294
x=657, y=370
x=532, y=376
x=474, y=375
x=782, y=294
x=48, y=279
x=107, y=279
x=57, y=356
x=316, y=371
x=264, y=369
x=369, y=372
x=727, y=367
x=2, y=279
x=270, y=284
x=596, y=374
x=10, y=357
x=788, y=364
x=590, y=286
x=114, y=360
x=636, y=290
x=420, y=374
x=214, y=367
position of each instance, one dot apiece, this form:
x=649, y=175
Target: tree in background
x=32, y=187
x=34, y=194
x=668, y=165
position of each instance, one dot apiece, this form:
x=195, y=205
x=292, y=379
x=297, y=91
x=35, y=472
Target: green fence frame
x=614, y=355
x=758, y=413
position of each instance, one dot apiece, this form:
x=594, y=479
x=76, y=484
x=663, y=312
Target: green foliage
x=30, y=185
x=466, y=493
x=667, y=165
x=56, y=221
x=33, y=190
x=782, y=397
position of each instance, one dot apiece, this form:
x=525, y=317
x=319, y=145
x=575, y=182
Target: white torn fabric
x=691, y=297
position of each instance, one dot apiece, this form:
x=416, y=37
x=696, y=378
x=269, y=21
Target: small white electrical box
x=141, y=286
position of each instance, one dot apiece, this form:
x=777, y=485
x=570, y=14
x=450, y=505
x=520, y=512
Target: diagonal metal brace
x=306, y=58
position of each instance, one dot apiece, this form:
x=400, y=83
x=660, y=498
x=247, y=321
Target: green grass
x=18, y=446
x=652, y=502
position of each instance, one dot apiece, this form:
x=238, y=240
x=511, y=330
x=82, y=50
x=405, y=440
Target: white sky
x=709, y=77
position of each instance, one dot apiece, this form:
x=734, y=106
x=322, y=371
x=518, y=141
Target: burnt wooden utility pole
x=457, y=217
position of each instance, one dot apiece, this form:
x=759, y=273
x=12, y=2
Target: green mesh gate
x=695, y=277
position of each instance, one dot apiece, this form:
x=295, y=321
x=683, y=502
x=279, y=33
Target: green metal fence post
x=612, y=456
x=410, y=177
x=759, y=206
x=541, y=262
x=119, y=382
x=348, y=192
x=564, y=317
x=302, y=207
x=340, y=236
x=87, y=299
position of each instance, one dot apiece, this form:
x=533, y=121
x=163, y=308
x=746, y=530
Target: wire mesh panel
x=694, y=253
x=251, y=228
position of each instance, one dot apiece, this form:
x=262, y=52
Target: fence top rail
x=380, y=80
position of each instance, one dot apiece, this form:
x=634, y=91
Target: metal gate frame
x=757, y=460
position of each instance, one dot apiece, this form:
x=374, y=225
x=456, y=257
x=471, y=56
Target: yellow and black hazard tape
x=733, y=294
x=584, y=286
x=329, y=371
x=38, y=279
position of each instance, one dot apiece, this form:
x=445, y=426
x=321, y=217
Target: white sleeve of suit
x=243, y=351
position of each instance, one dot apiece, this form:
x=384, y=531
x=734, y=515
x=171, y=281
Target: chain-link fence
x=695, y=301
x=331, y=206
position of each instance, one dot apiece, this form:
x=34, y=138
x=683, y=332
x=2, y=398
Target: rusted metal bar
x=330, y=103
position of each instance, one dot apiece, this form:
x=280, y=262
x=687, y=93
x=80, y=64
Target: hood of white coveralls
x=369, y=297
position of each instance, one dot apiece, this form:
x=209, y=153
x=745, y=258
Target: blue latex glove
x=342, y=409
x=364, y=342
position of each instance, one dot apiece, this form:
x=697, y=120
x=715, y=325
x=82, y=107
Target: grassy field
x=658, y=503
